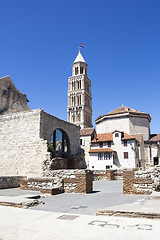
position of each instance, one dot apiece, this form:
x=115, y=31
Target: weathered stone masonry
x=141, y=182
x=10, y=181
x=77, y=181
x=23, y=141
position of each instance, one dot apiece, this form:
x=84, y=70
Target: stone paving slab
x=23, y=224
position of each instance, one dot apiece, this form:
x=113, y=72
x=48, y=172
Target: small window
x=109, y=144
x=125, y=154
x=125, y=143
x=92, y=166
x=107, y=156
x=116, y=134
x=100, y=156
x=80, y=141
x=107, y=167
x=101, y=144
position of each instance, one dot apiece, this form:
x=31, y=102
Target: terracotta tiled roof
x=138, y=137
x=86, y=131
x=122, y=110
x=103, y=137
x=127, y=136
x=155, y=138
x=101, y=150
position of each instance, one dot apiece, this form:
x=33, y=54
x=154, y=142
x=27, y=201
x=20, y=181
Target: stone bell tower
x=79, y=94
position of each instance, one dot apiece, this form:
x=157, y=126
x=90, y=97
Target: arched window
x=81, y=70
x=60, y=142
x=76, y=70
x=80, y=84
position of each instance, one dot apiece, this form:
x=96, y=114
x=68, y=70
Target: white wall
x=128, y=124
x=151, y=151
x=112, y=124
x=140, y=125
x=99, y=164
x=86, y=140
x=118, y=146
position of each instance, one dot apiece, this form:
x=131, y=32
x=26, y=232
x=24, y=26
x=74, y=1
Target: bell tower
x=79, y=94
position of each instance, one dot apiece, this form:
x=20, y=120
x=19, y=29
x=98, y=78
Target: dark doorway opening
x=156, y=162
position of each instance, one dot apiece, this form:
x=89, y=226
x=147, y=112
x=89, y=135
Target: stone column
x=82, y=115
x=83, y=99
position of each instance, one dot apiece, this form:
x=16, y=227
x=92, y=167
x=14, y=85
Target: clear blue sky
x=39, y=40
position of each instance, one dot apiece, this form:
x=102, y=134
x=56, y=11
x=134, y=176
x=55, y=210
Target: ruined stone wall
x=107, y=175
x=22, y=151
x=10, y=181
x=11, y=100
x=141, y=182
x=23, y=141
x=49, y=123
x=77, y=181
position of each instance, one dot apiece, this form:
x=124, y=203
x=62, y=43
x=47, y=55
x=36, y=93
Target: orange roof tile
x=122, y=110
x=106, y=137
x=99, y=150
x=103, y=137
x=87, y=131
x=155, y=138
x=138, y=137
x=127, y=136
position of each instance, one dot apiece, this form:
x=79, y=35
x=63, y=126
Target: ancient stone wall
x=48, y=124
x=24, y=137
x=77, y=181
x=10, y=181
x=141, y=182
x=107, y=175
x=22, y=151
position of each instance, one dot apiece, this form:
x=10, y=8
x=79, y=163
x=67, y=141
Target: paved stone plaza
x=70, y=215
x=105, y=194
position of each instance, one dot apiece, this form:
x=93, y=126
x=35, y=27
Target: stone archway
x=60, y=142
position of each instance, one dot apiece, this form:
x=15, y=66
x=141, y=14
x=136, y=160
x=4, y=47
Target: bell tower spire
x=79, y=94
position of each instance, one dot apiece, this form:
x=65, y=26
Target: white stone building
x=86, y=136
x=125, y=119
x=123, y=140
x=115, y=150
x=152, y=150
